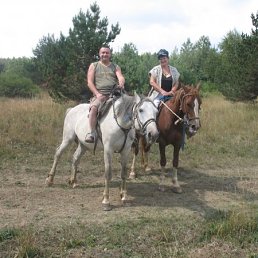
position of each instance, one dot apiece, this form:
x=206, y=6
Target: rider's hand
x=172, y=93
x=165, y=93
x=120, y=86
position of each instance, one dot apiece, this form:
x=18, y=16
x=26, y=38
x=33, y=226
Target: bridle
x=144, y=125
x=186, y=120
x=186, y=114
x=135, y=111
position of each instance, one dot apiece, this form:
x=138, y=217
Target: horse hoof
x=72, y=183
x=49, y=182
x=106, y=207
x=177, y=189
x=75, y=185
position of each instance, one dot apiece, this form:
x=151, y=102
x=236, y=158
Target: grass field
x=215, y=216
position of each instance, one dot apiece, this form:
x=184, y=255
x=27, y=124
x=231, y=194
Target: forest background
x=59, y=64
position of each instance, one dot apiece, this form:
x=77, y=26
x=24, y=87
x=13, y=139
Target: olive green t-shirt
x=105, y=77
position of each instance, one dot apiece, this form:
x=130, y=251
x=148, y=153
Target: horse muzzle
x=151, y=135
x=192, y=129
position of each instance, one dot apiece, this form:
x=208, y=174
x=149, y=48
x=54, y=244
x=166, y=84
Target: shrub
x=12, y=85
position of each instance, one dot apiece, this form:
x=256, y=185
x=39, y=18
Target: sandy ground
x=25, y=199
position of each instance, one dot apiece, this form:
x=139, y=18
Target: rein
x=179, y=118
x=181, y=104
x=125, y=130
x=143, y=126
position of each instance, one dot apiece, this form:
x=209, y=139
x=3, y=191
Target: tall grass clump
x=8, y=233
x=20, y=243
x=239, y=225
x=28, y=246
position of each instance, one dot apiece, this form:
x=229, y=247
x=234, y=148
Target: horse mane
x=178, y=95
x=125, y=105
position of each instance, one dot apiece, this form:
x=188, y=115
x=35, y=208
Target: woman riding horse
x=178, y=116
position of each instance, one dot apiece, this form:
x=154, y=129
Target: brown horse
x=178, y=117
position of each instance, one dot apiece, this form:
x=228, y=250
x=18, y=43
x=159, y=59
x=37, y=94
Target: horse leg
x=163, y=161
x=59, y=151
x=108, y=176
x=132, y=174
x=145, y=155
x=75, y=162
x=123, y=190
x=135, y=150
x=175, y=185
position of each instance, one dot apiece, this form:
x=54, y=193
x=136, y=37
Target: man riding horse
x=101, y=77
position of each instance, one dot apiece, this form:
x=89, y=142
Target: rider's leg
x=92, y=124
x=156, y=102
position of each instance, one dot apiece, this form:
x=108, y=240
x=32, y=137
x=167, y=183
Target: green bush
x=12, y=85
x=208, y=88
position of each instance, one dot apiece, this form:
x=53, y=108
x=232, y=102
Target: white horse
x=115, y=133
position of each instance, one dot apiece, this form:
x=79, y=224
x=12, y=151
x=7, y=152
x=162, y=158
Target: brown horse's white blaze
x=194, y=119
x=178, y=115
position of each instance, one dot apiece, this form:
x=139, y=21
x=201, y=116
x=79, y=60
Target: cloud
x=149, y=24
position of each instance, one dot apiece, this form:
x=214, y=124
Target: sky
x=149, y=24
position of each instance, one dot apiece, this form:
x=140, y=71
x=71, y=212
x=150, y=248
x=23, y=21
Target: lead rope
x=176, y=122
x=179, y=118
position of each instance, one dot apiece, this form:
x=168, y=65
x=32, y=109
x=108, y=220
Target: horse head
x=190, y=106
x=138, y=113
x=145, y=114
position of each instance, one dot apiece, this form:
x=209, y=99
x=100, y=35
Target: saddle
x=105, y=106
x=103, y=109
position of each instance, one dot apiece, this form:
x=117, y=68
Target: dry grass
x=229, y=130
x=216, y=216
x=35, y=121
x=228, y=137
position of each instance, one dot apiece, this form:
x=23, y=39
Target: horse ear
x=185, y=88
x=180, y=84
x=137, y=97
x=198, y=86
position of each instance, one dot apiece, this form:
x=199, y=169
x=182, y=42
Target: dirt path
x=24, y=198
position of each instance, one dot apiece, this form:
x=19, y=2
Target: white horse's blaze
x=113, y=138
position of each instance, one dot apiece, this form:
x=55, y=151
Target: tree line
x=60, y=64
